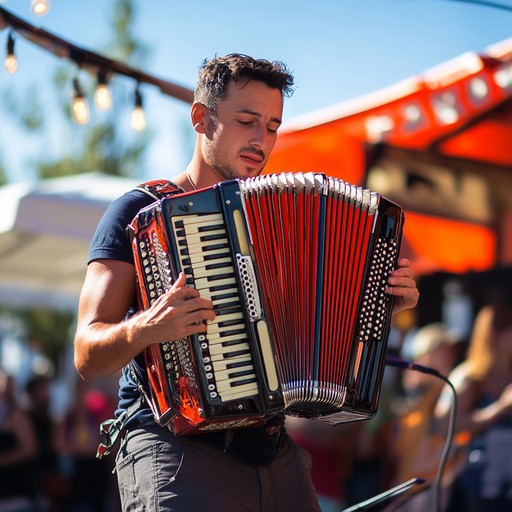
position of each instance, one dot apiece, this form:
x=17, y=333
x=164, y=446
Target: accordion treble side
x=296, y=265
x=325, y=249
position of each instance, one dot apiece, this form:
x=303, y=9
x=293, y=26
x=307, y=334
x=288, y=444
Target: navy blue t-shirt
x=111, y=241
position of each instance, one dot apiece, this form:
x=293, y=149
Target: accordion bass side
x=303, y=260
x=225, y=377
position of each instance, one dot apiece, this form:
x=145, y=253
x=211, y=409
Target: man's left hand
x=403, y=286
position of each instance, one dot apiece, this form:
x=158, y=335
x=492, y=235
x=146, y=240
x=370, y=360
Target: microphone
x=397, y=362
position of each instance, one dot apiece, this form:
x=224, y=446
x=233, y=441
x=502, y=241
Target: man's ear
x=200, y=115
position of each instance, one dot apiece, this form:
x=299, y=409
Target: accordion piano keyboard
x=227, y=358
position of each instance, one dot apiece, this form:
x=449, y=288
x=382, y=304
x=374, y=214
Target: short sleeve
x=111, y=239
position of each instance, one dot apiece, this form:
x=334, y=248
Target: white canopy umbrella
x=45, y=230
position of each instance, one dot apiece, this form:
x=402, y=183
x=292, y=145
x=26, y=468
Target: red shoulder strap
x=158, y=189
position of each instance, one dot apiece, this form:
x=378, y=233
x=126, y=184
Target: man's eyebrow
x=257, y=114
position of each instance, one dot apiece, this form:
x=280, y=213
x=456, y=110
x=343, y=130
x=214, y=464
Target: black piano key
x=238, y=364
x=243, y=382
x=236, y=353
x=211, y=227
x=232, y=343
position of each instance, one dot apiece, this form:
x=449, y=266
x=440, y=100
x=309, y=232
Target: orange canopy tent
x=457, y=116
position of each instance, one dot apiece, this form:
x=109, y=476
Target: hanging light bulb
x=10, y=62
x=79, y=106
x=102, y=96
x=138, y=120
x=40, y=7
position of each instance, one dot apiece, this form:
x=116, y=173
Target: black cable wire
x=447, y=445
x=484, y=3
x=407, y=365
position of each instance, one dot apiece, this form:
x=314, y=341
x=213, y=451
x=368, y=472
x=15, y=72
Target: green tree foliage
x=49, y=330
x=3, y=175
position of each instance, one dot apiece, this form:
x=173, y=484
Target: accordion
x=296, y=266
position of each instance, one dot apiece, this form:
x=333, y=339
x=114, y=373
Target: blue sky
x=338, y=50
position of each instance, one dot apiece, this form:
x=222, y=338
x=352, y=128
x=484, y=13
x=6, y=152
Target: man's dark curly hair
x=216, y=74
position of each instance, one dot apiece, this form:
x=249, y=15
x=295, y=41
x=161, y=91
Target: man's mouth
x=252, y=158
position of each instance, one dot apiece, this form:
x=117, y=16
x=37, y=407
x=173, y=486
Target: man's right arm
x=105, y=341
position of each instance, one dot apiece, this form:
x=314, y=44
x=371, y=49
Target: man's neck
x=197, y=175
x=191, y=180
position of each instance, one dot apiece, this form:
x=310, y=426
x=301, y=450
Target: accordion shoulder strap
x=110, y=429
x=158, y=189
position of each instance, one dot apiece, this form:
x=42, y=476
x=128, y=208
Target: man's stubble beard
x=224, y=171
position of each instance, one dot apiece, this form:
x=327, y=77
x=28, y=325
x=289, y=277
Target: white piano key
x=217, y=349
x=232, y=392
x=219, y=303
x=194, y=240
x=230, y=373
x=217, y=338
x=200, y=220
x=201, y=270
x=225, y=261
x=208, y=294
x=203, y=246
x=213, y=327
x=224, y=363
x=203, y=283
x=206, y=255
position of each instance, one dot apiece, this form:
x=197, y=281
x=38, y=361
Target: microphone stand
x=386, y=495
x=410, y=484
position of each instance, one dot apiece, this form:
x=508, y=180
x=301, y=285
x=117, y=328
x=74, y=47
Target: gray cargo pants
x=159, y=472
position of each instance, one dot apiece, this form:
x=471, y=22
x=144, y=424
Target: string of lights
x=40, y=7
x=85, y=60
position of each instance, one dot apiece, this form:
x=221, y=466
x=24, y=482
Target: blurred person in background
x=18, y=451
x=483, y=426
x=77, y=438
x=52, y=485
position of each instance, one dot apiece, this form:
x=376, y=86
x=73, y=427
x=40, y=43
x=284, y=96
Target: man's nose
x=259, y=136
